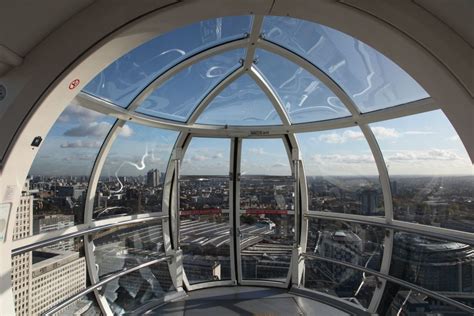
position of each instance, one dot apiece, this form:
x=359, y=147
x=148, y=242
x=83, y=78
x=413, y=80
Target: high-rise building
x=21, y=264
x=47, y=223
x=368, y=201
x=153, y=178
x=56, y=275
x=43, y=279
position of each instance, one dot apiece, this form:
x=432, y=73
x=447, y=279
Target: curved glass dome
x=252, y=150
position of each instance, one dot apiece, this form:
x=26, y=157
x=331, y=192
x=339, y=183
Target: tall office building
x=368, y=201
x=153, y=178
x=21, y=264
x=43, y=279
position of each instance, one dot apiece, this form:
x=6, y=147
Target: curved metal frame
x=170, y=193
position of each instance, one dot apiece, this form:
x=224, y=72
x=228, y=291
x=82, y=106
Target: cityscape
x=266, y=237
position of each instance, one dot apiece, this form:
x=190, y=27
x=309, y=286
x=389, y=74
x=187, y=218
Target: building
x=153, y=178
x=47, y=223
x=55, y=276
x=21, y=264
x=368, y=201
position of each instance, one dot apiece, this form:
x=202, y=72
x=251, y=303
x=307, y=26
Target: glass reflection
x=432, y=177
x=305, y=98
x=266, y=210
x=128, y=246
x=133, y=292
x=398, y=300
x=435, y=264
x=59, y=177
x=121, y=82
x=204, y=210
x=241, y=103
x=337, y=280
x=372, y=81
x=341, y=172
x=131, y=180
x=349, y=242
x=173, y=102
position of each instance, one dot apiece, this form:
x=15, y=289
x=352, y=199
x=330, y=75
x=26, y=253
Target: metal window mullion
x=271, y=94
x=89, y=210
x=253, y=38
x=182, y=65
x=212, y=94
x=237, y=160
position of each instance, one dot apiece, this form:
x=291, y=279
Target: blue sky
x=422, y=144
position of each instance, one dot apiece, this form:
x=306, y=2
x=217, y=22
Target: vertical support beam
x=234, y=203
x=388, y=205
x=89, y=212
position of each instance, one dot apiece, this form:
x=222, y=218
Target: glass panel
x=372, y=80
x=121, y=81
x=339, y=281
x=241, y=103
x=127, y=246
x=173, y=102
x=47, y=276
x=349, y=242
x=131, y=180
x=139, y=289
x=204, y=210
x=431, y=174
x=305, y=98
x=266, y=210
x=84, y=306
x=341, y=172
x=435, y=264
x=398, y=300
x=59, y=176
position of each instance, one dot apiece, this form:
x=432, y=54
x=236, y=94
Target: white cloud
x=340, y=138
x=126, y=131
x=78, y=113
x=454, y=138
x=198, y=157
x=256, y=151
x=382, y=132
x=343, y=159
x=93, y=129
x=218, y=156
x=431, y=155
x=81, y=144
x=418, y=133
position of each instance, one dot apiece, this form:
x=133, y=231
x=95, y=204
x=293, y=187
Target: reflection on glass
x=349, y=242
x=266, y=210
x=438, y=265
x=241, y=103
x=133, y=292
x=372, y=81
x=127, y=246
x=305, y=98
x=341, y=172
x=352, y=285
x=131, y=180
x=173, y=102
x=59, y=176
x=398, y=300
x=204, y=210
x=47, y=276
x=431, y=174
x=127, y=76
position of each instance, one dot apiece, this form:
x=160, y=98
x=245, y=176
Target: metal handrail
x=91, y=288
x=437, y=233
x=392, y=279
x=50, y=241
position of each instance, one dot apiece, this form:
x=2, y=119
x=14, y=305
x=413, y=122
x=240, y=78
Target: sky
x=423, y=144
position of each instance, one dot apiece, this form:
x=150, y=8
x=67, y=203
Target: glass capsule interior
x=274, y=159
